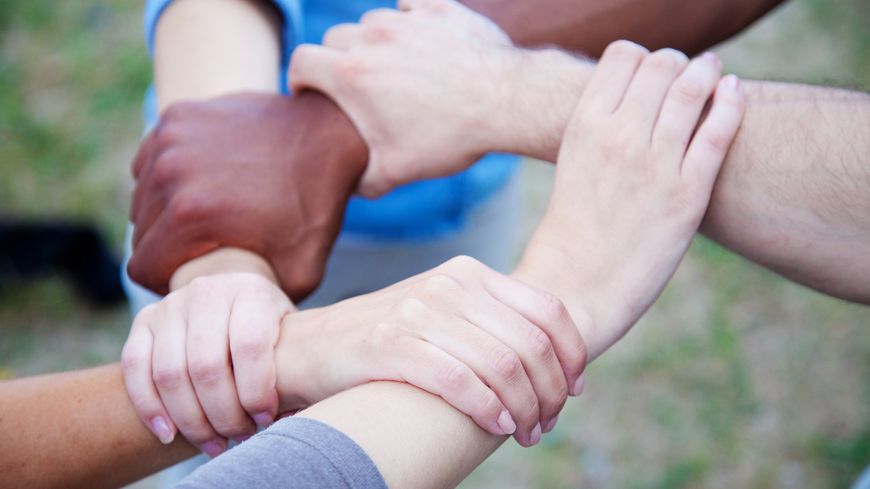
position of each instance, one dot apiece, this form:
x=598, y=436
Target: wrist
x=338, y=150
x=221, y=261
x=538, y=104
x=592, y=295
x=296, y=373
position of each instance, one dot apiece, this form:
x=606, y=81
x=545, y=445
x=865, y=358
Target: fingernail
x=732, y=82
x=578, y=386
x=213, y=448
x=535, y=437
x=241, y=439
x=263, y=419
x=160, y=428
x=549, y=425
x=709, y=56
x=506, y=423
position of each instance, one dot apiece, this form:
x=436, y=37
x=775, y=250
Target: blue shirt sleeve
x=291, y=28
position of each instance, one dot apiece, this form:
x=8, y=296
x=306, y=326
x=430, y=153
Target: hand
x=261, y=172
x=202, y=360
x=500, y=351
x=422, y=87
x=634, y=178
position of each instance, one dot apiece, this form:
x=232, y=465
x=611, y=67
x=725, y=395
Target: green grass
x=736, y=378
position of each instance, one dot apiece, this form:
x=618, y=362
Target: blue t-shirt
x=417, y=211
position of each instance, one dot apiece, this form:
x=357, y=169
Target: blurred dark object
x=33, y=250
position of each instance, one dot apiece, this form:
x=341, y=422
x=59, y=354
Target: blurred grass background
x=737, y=378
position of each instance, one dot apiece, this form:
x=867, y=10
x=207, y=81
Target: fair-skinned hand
x=636, y=170
x=202, y=360
x=498, y=350
x=420, y=84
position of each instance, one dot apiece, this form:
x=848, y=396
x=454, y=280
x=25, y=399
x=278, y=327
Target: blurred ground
x=737, y=378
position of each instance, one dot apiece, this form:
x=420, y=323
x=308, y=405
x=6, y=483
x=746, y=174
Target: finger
x=254, y=327
x=145, y=154
x=343, y=36
x=314, y=67
x=533, y=346
x=151, y=202
x=549, y=314
x=173, y=383
x=421, y=364
x=684, y=105
x=136, y=363
x=646, y=94
x=209, y=364
x=497, y=365
x=611, y=78
x=713, y=140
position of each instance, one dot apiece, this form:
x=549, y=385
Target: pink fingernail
x=160, y=428
x=732, y=82
x=506, y=423
x=213, y=448
x=549, y=425
x=710, y=56
x=263, y=419
x=578, y=386
x=535, y=437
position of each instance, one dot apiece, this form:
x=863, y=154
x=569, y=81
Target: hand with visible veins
x=421, y=85
x=260, y=172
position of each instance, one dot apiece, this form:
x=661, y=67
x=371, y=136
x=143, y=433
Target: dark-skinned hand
x=263, y=172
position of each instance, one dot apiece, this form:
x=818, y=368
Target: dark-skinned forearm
x=590, y=25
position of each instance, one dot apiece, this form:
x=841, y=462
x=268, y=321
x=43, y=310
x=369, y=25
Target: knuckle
x=625, y=50
x=169, y=377
x=412, y=310
x=131, y=360
x=689, y=91
x=439, y=284
x=189, y=207
x=718, y=141
x=554, y=310
x=250, y=346
x=464, y=262
x=541, y=345
x=206, y=371
x=454, y=377
x=668, y=60
x=379, y=33
x=506, y=363
x=167, y=168
x=176, y=112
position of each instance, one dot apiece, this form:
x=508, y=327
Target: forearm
x=77, y=429
x=589, y=26
x=206, y=48
x=792, y=194
x=416, y=439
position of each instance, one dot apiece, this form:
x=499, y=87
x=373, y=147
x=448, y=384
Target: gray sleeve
x=292, y=453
